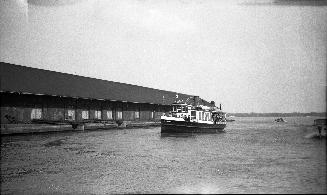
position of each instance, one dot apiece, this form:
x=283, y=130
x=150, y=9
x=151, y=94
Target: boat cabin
x=200, y=114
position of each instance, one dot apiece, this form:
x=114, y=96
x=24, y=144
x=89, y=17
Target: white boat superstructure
x=196, y=114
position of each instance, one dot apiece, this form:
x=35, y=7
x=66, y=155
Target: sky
x=249, y=55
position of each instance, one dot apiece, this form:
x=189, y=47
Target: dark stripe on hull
x=190, y=127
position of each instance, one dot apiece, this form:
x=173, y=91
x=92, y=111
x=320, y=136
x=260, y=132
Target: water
x=255, y=155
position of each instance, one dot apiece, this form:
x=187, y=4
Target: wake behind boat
x=187, y=118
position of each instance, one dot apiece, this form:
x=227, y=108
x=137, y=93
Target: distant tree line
x=253, y=114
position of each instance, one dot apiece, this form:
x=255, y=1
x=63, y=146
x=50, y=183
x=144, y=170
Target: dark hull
x=190, y=127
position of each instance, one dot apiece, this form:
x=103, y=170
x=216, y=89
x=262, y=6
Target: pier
x=10, y=129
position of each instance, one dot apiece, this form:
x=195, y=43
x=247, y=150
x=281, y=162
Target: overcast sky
x=251, y=56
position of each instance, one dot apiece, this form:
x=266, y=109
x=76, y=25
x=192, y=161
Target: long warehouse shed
x=31, y=94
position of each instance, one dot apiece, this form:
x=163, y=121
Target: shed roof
x=16, y=78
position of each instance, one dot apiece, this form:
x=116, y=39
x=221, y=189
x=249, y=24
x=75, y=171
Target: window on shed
x=36, y=113
x=137, y=114
x=70, y=115
x=85, y=114
x=98, y=114
x=152, y=114
x=109, y=114
x=119, y=115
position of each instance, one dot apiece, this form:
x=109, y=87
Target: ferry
x=280, y=120
x=186, y=118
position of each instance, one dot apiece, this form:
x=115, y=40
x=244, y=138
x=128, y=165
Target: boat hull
x=190, y=127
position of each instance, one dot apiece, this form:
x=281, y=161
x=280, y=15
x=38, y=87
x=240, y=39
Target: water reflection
x=183, y=135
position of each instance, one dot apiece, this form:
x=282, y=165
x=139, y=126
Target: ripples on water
x=254, y=155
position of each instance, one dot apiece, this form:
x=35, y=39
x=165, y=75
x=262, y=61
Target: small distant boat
x=321, y=126
x=320, y=122
x=185, y=118
x=280, y=120
x=230, y=120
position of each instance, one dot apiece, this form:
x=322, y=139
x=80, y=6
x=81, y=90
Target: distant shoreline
x=253, y=114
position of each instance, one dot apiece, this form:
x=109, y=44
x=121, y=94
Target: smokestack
x=220, y=106
x=196, y=100
x=212, y=103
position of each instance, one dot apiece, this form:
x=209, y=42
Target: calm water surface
x=254, y=155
